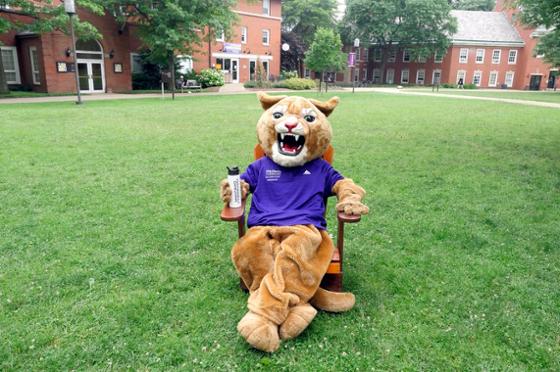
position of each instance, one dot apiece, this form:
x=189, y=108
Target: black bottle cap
x=233, y=171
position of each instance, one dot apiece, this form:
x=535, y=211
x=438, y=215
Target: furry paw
x=298, y=319
x=259, y=332
x=352, y=207
x=225, y=190
x=335, y=302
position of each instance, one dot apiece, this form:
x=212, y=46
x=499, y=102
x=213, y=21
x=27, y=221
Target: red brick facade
x=111, y=71
x=246, y=45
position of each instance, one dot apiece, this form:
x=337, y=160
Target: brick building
x=43, y=62
x=489, y=49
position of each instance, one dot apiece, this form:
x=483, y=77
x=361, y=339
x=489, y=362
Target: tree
x=44, y=17
x=486, y=5
x=300, y=21
x=422, y=26
x=325, y=53
x=172, y=27
x=545, y=13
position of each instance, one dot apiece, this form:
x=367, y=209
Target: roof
x=484, y=28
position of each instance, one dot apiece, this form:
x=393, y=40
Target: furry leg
x=335, y=302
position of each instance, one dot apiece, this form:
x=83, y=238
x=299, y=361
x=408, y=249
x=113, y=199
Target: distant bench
x=190, y=84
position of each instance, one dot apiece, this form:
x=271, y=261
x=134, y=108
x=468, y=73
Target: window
x=392, y=56
x=404, y=76
x=243, y=35
x=34, y=58
x=266, y=7
x=306, y=72
x=493, y=79
x=266, y=37
x=438, y=57
x=11, y=65
x=220, y=36
x=509, y=78
x=366, y=54
x=496, y=56
x=463, y=55
x=358, y=54
x=420, y=76
x=364, y=74
x=421, y=59
x=136, y=63
x=479, y=56
x=406, y=56
x=377, y=55
x=461, y=76
x=376, y=76
x=512, y=57
x=266, y=69
x=477, y=78
x=390, y=76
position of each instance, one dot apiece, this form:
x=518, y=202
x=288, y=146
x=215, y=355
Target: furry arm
x=225, y=190
x=350, y=197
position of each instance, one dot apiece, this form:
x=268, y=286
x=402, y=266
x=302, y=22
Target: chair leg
x=332, y=282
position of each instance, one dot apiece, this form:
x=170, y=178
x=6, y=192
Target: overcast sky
x=341, y=6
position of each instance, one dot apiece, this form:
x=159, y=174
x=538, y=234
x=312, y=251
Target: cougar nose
x=290, y=126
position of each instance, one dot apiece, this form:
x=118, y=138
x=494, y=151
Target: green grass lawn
x=112, y=254
x=543, y=96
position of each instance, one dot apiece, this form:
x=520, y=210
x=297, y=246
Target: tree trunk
x=172, y=71
x=3, y=83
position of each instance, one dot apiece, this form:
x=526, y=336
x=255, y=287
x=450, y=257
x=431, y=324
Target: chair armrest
x=233, y=214
x=348, y=218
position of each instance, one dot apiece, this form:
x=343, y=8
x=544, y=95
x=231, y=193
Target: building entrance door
x=235, y=71
x=552, y=79
x=535, y=83
x=90, y=76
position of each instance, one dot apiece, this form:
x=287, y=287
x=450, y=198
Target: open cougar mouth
x=290, y=144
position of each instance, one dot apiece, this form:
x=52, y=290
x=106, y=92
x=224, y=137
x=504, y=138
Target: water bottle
x=235, y=184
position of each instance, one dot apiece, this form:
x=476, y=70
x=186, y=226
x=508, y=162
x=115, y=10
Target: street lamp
x=356, y=45
x=70, y=9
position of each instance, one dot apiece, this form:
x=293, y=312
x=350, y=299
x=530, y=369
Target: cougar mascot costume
x=286, y=250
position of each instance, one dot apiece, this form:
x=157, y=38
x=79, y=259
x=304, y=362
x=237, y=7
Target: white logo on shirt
x=273, y=174
x=306, y=173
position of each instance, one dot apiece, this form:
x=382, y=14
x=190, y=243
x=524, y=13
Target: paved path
x=479, y=98
x=236, y=90
x=232, y=88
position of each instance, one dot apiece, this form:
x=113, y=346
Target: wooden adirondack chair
x=332, y=280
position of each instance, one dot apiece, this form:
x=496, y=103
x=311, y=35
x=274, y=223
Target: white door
x=390, y=76
x=235, y=71
x=91, y=76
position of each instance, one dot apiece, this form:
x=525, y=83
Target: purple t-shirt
x=285, y=196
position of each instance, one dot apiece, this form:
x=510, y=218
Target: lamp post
x=70, y=9
x=356, y=45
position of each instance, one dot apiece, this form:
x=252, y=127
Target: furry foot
x=298, y=319
x=259, y=332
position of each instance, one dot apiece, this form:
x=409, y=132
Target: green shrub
x=469, y=86
x=285, y=75
x=298, y=84
x=210, y=78
x=250, y=84
x=447, y=85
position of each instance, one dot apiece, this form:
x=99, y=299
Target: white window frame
x=392, y=80
x=496, y=61
x=377, y=76
x=496, y=75
x=221, y=37
x=434, y=75
x=438, y=58
x=244, y=35
x=407, y=76
x=512, y=74
x=266, y=7
x=405, y=53
x=377, y=55
x=358, y=54
x=267, y=32
x=366, y=54
x=464, y=55
x=16, y=64
x=421, y=59
x=480, y=53
x=423, y=71
x=392, y=57
x=510, y=62
x=461, y=74
x=475, y=74
x=35, y=72
x=132, y=71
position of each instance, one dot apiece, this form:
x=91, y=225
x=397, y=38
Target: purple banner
x=351, y=59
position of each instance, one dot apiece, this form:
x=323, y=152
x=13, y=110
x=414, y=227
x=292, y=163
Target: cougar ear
x=268, y=101
x=326, y=107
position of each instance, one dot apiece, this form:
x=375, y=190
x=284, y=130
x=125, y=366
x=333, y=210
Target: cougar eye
x=309, y=118
x=277, y=115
